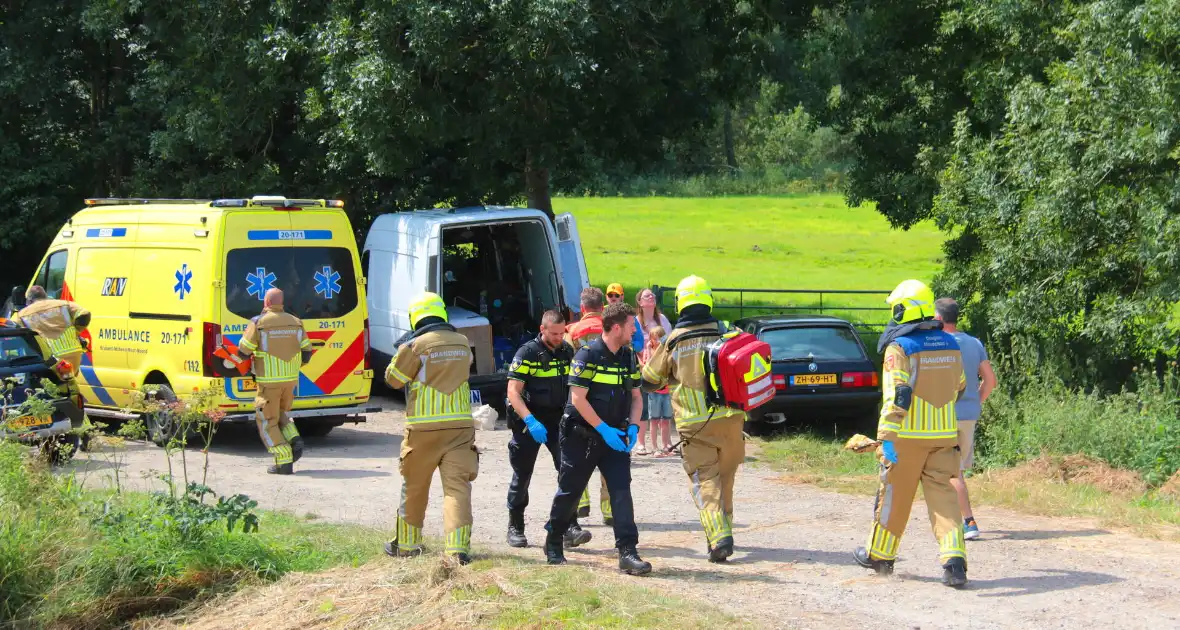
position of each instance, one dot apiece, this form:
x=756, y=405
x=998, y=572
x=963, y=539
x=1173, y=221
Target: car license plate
x=476, y=399
x=28, y=422
x=249, y=385
x=813, y=379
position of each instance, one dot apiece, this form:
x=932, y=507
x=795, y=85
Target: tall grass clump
x=71, y=557
x=1137, y=429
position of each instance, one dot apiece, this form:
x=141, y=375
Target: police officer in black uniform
x=598, y=430
x=537, y=393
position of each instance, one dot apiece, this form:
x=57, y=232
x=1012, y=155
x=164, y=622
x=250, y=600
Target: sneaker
x=970, y=529
x=954, y=573
x=882, y=567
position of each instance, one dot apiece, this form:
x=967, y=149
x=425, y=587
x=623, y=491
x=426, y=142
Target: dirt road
x=793, y=566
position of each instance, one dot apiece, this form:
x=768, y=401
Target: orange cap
x=614, y=287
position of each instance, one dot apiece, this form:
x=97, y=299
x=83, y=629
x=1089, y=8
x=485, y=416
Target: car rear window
x=14, y=347
x=317, y=282
x=824, y=343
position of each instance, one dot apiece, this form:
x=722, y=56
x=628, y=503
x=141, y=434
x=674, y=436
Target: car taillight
x=859, y=379
x=366, y=335
x=780, y=381
x=211, y=340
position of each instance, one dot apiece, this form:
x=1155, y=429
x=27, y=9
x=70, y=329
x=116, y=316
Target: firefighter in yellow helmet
x=433, y=362
x=58, y=322
x=712, y=436
x=923, y=377
x=280, y=347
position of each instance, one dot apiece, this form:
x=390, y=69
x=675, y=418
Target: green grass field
x=806, y=242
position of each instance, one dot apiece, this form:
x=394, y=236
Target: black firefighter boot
x=954, y=573
x=296, y=449
x=722, y=550
x=576, y=536
x=630, y=562
x=516, y=537
x=882, y=567
x=553, y=551
x=281, y=469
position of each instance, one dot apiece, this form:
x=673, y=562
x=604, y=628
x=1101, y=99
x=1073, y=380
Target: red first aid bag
x=736, y=368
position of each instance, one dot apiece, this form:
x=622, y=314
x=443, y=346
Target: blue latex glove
x=632, y=437
x=611, y=436
x=888, y=450
x=536, y=429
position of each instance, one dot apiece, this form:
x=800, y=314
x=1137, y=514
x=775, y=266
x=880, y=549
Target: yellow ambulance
x=172, y=283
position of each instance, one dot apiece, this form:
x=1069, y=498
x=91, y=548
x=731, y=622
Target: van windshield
x=317, y=282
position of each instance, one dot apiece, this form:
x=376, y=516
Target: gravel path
x=793, y=566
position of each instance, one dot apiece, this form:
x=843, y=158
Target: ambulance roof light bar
x=125, y=201
x=277, y=202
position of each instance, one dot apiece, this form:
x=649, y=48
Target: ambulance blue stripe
x=91, y=378
x=289, y=235
x=98, y=232
x=307, y=387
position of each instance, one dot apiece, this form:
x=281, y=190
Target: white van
x=497, y=268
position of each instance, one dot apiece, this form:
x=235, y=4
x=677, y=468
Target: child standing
x=659, y=403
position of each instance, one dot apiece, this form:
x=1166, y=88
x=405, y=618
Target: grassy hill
x=791, y=242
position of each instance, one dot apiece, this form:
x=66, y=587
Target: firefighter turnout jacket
x=923, y=377
x=682, y=371
x=434, y=366
x=279, y=344
x=57, y=322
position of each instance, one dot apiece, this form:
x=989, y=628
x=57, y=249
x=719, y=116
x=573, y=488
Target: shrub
x=1137, y=429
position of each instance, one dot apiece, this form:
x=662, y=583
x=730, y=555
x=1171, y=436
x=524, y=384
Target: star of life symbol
x=183, y=281
x=327, y=282
x=260, y=281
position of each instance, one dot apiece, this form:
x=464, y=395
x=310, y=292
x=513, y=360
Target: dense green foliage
x=81, y=558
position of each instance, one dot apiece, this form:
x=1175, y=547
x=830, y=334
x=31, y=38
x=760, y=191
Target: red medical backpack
x=736, y=368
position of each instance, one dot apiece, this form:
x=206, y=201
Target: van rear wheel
x=316, y=428
x=161, y=425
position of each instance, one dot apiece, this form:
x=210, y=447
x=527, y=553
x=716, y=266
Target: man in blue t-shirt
x=981, y=380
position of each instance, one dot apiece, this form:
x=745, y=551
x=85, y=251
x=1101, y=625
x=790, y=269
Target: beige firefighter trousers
x=712, y=453
x=933, y=467
x=271, y=404
x=452, y=452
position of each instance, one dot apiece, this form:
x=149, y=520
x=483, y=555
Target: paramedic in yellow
x=713, y=447
x=58, y=322
x=923, y=377
x=280, y=348
x=433, y=363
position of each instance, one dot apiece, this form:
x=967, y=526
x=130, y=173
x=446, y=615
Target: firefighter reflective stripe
x=883, y=545
x=65, y=344
x=927, y=422
x=276, y=370
x=304, y=342
x=951, y=545
x=431, y=405
x=409, y=538
x=246, y=344
x=290, y=432
x=717, y=526
x=584, y=502
x=396, y=374
x=459, y=541
x=282, y=454
x=691, y=407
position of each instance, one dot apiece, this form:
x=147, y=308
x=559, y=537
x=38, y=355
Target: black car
x=821, y=370
x=24, y=363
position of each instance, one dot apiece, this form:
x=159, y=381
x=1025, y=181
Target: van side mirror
x=18, y=296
